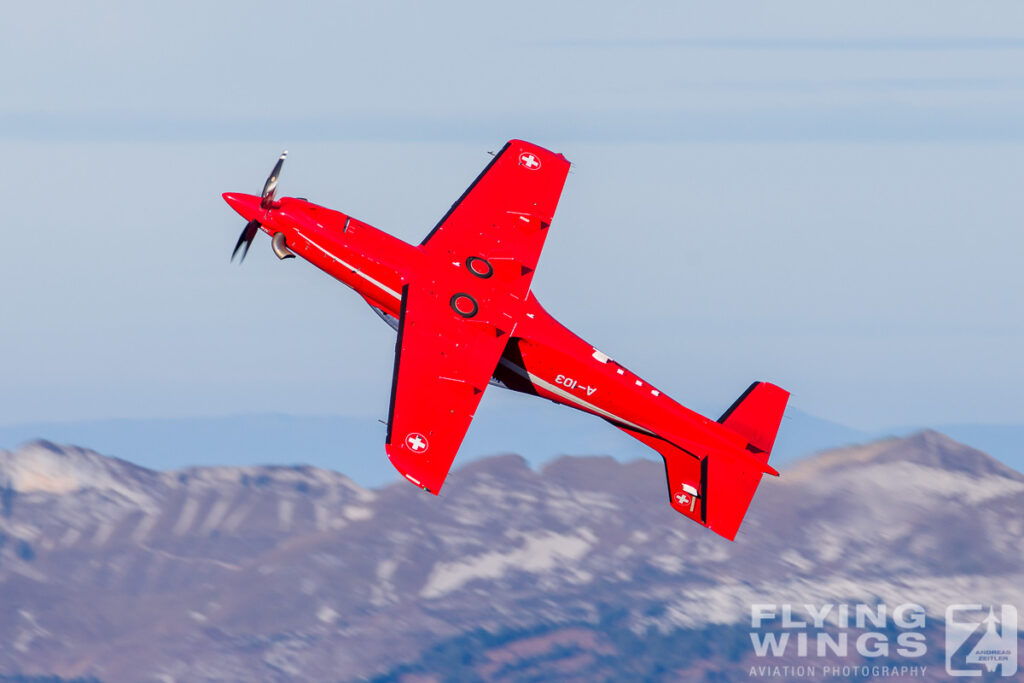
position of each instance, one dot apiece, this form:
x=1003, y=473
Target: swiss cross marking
x=682, y=498
x=415, y=442
x=529, y=160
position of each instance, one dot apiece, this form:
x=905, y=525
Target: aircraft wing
x=446, y=353
x=443, y=363
x=504, y=215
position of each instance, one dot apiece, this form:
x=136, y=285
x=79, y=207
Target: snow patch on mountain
x=539, y=552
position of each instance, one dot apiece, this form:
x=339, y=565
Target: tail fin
x=714, y=487
x=756, y=415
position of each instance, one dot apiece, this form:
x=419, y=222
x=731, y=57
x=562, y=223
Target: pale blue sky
x=826, y=195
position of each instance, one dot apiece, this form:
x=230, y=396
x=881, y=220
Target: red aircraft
x=465, y=316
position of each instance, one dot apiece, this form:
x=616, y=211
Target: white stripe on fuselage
x=352, y=268
x=558, y=391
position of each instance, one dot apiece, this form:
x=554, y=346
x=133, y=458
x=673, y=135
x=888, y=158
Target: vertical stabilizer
x=714, y=485
x=756, y=415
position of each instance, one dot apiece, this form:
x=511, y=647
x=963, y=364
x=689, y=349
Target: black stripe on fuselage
x=515, y=378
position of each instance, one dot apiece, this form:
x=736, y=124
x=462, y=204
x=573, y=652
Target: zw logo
x=977, y=640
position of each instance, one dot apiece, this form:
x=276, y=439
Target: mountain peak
x=44, y=466
x=926, y=448
x=507, y=465
x=601, y=472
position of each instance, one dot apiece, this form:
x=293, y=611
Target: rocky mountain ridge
x=270, y=573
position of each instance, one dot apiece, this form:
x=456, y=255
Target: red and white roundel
x=529, y=160
x=416, y=442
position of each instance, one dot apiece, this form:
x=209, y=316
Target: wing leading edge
x=504, y=214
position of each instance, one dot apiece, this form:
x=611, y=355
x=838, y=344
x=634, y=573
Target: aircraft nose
x=247, y=205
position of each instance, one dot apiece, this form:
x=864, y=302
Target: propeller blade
x=270, y=187
x=266, y=200
x=245, y=239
